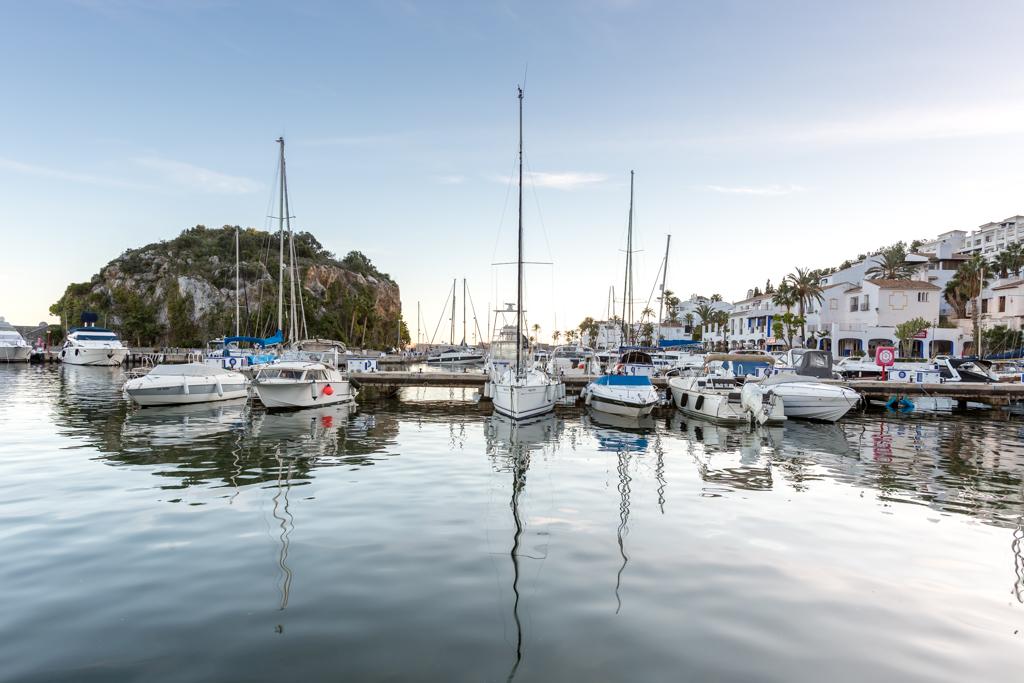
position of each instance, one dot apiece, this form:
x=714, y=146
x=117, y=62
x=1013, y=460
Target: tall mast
x=463, y=311
x=238, y=304
x=627, y=285
x=519, y=259
x=417, y=323
x=293, y=318
x=454, y=282
x=664, y=276
x=280, y=229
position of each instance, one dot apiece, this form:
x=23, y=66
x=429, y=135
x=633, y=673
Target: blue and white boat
x=627, y=395
x=91, y=345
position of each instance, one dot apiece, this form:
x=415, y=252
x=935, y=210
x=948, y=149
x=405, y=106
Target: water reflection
x=510, y=444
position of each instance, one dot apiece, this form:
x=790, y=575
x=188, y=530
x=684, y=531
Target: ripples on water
x=421, y=540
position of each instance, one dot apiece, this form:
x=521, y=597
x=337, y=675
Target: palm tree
x=722, y=320
x=1009, y=260
x=570, y=336
x=706, y=313
x=555, y=336
x=806, y=288
x=784, y=296
x=648, y=312
x=689, y=321
x=536, y=331
x=715, y=298
x=972, y=278
x=891, y=264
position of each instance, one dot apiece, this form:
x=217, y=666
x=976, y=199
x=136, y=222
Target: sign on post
x=885, y=356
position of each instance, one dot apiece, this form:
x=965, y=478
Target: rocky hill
x=181, y=292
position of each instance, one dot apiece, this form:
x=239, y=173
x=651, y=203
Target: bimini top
x=636, y=358
x=623, y=381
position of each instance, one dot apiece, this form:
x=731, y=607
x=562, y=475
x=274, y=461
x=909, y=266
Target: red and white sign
x=885, y=356
x=923, y=334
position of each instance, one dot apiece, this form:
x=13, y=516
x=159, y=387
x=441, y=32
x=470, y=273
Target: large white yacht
x=523, y=391
x=91, y=345
x=13, y=347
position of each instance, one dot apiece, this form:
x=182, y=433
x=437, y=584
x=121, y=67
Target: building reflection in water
x=510, y=446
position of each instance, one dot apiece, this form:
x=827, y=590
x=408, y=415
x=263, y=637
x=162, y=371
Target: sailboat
x=523, y=390
x=628, y=390
x=461, y=354
x=308, y=374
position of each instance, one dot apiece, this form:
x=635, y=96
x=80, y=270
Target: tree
x=689, y=321
x=891, y=264
x=647, y=313
x=647, y=333
x=785, y=326
x=1001, y=338
x=970, y=280
x=590, y=328
x=768, y=289
x=906, y=331
x=1009, y=260
x=536, y=331
x=915, y=246
x=721, y=318
x=806, y=288
x=715, y=298
x=555, y=336
x=784, y=296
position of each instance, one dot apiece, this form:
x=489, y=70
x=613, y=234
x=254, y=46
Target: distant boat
x=13, y=347
x=463, y=355
x=169, y=385
x=523, y=390
x=91, y=345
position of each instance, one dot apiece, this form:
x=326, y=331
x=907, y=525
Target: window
x=853, y=304
x=1002, y=304
x=922, y=297
x=833, y=304
x=864, y=305
x=984, y=305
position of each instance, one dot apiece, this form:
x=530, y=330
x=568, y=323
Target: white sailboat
x=309, y=373
x=522, y=392
x=13, y=347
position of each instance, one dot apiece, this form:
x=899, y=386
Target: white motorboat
x=719, y=398
x=1007, y=370
x=168, y=385
x=804, y=394
x=629, y=396
x=635, y=362
x=13, y=347
x=303, y=378
x=522, y=392
x=462, y=355
x=91, y=345
x=572, y=361
x=715, y=393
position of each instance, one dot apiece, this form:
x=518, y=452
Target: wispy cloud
x=199, y=178
x=759, y=191
x=70, y=176
x=568, y=180
x=451, y=179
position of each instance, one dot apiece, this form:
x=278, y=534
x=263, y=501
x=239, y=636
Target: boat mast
x=519, y=260
x=664, y=276
x=627, y=285
x=293, y=318
x=280, y=229
x=463, y=311
x=238, y=304
x=454, y=282
x=417, y=323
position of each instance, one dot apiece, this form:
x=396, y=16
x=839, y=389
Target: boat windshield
x=281, y=373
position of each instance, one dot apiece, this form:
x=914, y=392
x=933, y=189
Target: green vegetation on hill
x=181, y=292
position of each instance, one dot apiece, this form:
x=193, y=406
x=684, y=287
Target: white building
x=991, y=238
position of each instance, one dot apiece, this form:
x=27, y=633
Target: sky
x=764, y=136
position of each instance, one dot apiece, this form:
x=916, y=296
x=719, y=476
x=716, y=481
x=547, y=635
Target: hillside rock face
x=182, y=292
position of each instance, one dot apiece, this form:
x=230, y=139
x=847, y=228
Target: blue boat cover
x=624, y=380
x=256, y=341
x=672, y=343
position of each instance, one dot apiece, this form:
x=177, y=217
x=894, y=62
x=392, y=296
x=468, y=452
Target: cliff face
x=182, y=292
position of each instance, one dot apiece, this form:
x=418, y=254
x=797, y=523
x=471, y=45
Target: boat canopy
x=256, y=341
x=636, y=357
x=623, y=381
x=813, y=363
x=188, y=370
x=673, y=343
x=739, y=358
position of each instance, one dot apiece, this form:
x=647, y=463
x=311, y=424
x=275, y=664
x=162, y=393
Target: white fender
x=220, y=388
x=184, y=385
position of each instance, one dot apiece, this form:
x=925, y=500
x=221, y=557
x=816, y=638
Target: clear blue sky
x=765, y=135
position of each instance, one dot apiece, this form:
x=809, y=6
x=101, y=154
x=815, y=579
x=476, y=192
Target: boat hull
x=717, y=407
x=83, y=355
x=175, y=396
x=626, y=403
x=523, y=402
x=15, y=354
x=814, y=401
x=305, y=394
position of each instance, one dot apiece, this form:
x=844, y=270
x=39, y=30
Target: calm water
x=413, y=541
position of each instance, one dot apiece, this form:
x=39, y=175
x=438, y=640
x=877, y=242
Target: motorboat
x=13, y=347
x=168, y=385
x=716, y=394
x=804, y=394
x=91, y=345
x=304, y=377
x=626, y=395
x=523, y=390
x=462, y=355
x=635, y=361
x=857, y=366
x=227, y=353
x=1007, y=370
x=568, y=361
